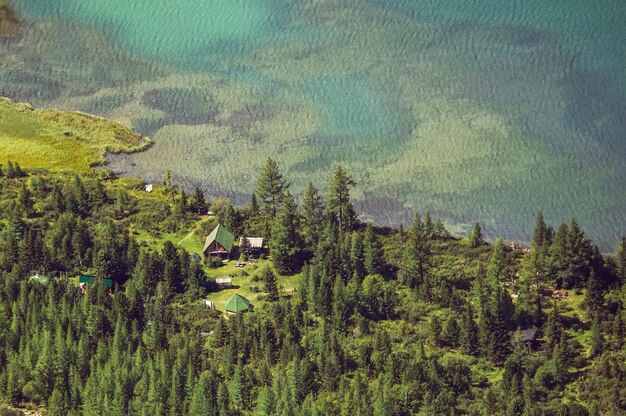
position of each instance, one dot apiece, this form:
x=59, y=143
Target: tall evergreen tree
x=372, y=251
x=270, y=188
x=541, y=233
x=417, y=254
x=269, y=281
x=312, y=215
x=339, y=204
x=286, y=243
x=468, y=334
x=475, y=236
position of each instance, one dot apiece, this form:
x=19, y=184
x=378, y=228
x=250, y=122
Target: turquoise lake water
x=478, y=110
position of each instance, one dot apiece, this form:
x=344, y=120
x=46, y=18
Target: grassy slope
x=59, y=140
x=243, y=284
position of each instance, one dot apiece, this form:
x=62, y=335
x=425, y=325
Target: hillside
x=60, y=140
x=347, y=318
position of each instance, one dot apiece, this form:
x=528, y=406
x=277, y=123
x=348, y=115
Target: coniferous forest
x=381, y=321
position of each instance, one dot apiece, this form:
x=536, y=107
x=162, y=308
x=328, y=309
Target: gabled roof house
x=219, y=243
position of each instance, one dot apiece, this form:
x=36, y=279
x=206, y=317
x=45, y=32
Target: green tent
x=237, y=303
x=219, y=242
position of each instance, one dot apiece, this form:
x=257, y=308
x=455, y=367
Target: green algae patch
x=60, y=140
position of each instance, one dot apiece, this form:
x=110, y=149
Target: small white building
x=149, y=188
x=209, y=304
x=224, y=282
x=252, y=243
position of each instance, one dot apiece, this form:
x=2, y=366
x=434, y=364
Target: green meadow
x=59, y=140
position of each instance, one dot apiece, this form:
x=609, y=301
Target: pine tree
x=579, y=253
x=312, y=215
x=372, y=251
x=450, y=332
x=497, y=264
x=203, y=401
x=560, y=361
x=416, y=255
x=285, y=242
x=270, y=189
x=230, y=219
x=198, y=203
x=540, y=233
x=357, y=255
x=269, y=281
x=439, y=230
x=468, y=333
x=594, y=297
x=475, y=237
x=24, y=199
x=253, y=206
x=56, y=404
x=339, y=204
x=44, y=373
x=559, y=255
x=340, y=307
x=553, y=329
x=597, y=338
x=429, y=227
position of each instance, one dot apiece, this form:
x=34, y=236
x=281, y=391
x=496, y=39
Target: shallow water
x=478, y=110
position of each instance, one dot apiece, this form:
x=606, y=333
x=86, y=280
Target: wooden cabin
x=219, y=243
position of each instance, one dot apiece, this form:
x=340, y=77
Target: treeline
x=384, y=322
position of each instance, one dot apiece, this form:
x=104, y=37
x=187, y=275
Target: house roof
x=222, y=280
x=237, y=303
x=222, y=236
x=253, y=242
x=89, y=279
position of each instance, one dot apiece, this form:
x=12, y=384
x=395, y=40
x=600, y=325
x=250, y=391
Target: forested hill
x=347, y=318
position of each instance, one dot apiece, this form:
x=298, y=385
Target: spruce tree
x=203, y=400
x=597, y=338
x=357, y=255
x=270, y=189
x=468, y=332
x=285, y=242
x=417, y=254
x=339, y=204
x=372, y=251
x=269, y=281
x=312, y=215
x=475, y=236
x=540, y=232
x=198, y=202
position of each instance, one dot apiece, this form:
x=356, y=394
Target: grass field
x=243, y=284
x=60, y=140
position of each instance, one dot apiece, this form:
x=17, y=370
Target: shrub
x=214, y=262
x=5, y=411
